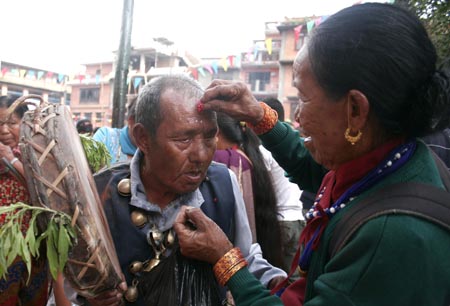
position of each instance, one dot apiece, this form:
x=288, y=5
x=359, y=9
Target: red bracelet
x=268, y=121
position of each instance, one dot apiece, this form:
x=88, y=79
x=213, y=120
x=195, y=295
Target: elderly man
x=171, y=168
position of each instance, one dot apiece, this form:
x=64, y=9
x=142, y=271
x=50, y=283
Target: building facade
x=17, y=80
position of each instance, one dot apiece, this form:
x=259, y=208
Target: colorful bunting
x=137, y=82
x=297, y=31
x=269, y=45
x=237, y=61
x=4, y=71
x=208, y=67
x=22, y=72
x=202, y=71
x=310, y=25
x=317, y=21
x=31, y=74
x=214, y=66
x=230, y=60
x=40, y=74
x=224, y=64
x=194, y=73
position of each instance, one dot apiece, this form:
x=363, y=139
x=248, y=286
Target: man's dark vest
x=130, y=242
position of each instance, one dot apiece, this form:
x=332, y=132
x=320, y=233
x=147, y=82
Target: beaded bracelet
x=228, y=265
x=268, y=121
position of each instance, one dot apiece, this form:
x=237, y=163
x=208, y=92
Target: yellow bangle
x=268, y=121
x=228, y=265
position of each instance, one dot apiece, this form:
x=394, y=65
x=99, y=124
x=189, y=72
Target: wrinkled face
x=9, y=129
x=184, y=145
x=322, y=121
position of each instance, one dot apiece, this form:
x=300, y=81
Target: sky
x=61, y=35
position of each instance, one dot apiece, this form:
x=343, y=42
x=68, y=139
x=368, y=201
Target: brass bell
x=153, y=263
x=138, y=218
x=131, y=295
x=136, y=267
x=124, y=187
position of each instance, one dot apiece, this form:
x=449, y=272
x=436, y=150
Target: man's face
x=179, y=155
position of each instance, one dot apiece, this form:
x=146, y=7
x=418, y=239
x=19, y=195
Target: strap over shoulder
x=410, y=198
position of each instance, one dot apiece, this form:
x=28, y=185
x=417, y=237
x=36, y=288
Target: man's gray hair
x=148, y=108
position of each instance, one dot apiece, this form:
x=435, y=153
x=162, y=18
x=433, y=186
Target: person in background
x=172, y=168
x=307, y=197
x=84, y=126
x=119, y=142
x=238, y=149
x=18, y=287
x=288, y=195
x=439, y=142
x=368, y=89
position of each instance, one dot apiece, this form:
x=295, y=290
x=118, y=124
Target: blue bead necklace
x=397, y=158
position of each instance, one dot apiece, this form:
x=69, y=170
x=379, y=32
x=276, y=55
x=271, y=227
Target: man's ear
x=358, y=110
x=141, y=137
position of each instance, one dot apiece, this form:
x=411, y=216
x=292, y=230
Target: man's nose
x=200, y=151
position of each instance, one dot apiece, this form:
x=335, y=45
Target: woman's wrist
x=13, y=161
x=228, y=265
x=267, y=122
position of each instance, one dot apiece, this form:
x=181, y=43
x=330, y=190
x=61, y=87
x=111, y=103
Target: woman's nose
x=4, y=128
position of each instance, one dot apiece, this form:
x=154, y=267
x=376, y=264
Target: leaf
x=63, y=245
x=13, y=243
x=30, y=238
x=25, y=254
x=52, y=255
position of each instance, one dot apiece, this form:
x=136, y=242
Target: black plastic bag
x=180, y=281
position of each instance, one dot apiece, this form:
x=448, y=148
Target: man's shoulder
x=112, y=173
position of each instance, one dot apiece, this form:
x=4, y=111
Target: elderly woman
x=368, y=87
x=17, y=288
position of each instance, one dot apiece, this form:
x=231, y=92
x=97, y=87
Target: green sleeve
x=248, y=291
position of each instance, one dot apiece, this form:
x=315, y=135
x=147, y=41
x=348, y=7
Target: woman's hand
x=6, y=151
x=234, y=99
x=199, y=237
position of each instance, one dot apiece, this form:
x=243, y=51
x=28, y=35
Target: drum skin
x=58, y=177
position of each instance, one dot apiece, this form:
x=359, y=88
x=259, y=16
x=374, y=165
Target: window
x=90, y=95
x=259, y=80
x=98, y=116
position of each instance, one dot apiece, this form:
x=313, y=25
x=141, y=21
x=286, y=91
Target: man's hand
x=199, y=237
x=109, y=298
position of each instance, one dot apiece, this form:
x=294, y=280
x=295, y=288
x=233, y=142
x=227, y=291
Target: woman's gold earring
x=352, y=139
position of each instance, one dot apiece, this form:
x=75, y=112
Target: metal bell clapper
x=138, y=218
x=124, y=187
x=170, y=238
x=131, y=295
x=155, y=239
x=153, y=262
x=136, y=267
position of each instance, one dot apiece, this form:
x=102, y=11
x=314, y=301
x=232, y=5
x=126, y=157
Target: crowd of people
x=212, y=198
